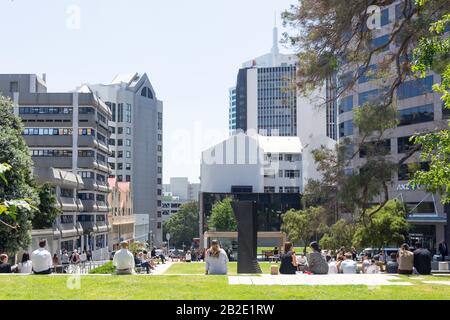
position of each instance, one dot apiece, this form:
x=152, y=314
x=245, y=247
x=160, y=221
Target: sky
x=190, y=49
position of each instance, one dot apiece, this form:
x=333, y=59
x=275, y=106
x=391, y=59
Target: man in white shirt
x=123, y=260
x=41, y=259
x=348, y=265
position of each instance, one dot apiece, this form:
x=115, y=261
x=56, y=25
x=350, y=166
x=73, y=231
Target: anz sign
x=406, y=187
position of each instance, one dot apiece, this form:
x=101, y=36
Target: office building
x=68, y=131
x=137, y=143
x=419, y=110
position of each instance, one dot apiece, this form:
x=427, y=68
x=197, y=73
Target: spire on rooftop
x=275, y=49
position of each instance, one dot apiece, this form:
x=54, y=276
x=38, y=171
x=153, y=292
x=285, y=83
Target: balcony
x=87, y=141
x=102, y=206
x=68, y=204
x=56, y=162
x=88, y=163
x=68, y=230
x=89, y=206
x=90, y=184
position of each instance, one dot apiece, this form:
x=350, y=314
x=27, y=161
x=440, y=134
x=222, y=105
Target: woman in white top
x=188, y=257
x=216, y=259
x=25, y=266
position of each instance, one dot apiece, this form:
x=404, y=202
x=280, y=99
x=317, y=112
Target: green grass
x=201, y=287
x=198, y=268
x=107, y=268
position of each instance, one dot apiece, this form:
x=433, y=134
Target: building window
x=120, y=178
x=159, y=225
x=292, y=174
x=159, y=192
x=159, y=170
x=414, y=88
x=120, y=154
x=292, y=189
x=159, y=148
x=120, y=130
x=159, y=137
x=380, y=42
x=128, y=113
x=159, y=159
x=367, y=74
x=407, y=171
x=415, y=115
x=128, y=178
x=128, y=130
x=269, y=189
x=346, y=128
x=375, y=148
x=372, y=96
x=120, y=112
x=86, y=174
x=128, y=166
x=120, y=142
x=86, y=196
x=120, y=166
x=404, y=145
x=14, y=86
x=128, y=142
x=128, y=154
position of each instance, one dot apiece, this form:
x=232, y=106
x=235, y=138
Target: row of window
x=119, y=154
x=57, y=132
x=92, y=197
x=120, y=130
x=119, y=142
x=282, y=189
x=55, y=110
x=62, y=153
x=119, y=166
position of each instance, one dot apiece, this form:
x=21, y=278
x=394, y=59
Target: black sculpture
x=247, y=220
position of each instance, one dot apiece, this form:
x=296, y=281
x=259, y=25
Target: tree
x=433, y=53
x=301, y=226
x=387, y=226
x=339, y=235
x=47, y=209
x=184, y=225
x=334, y=35
x=18, y=182
x=222, y=216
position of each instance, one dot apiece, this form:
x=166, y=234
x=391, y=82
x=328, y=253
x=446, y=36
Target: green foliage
x=301, y=226
x=222, y=216
x=136, y=247
x=387, y=226
x=433, y=53
x=48, y=209
x=339, y=235
x=107, y=268
x=19, y=182
x=184, y=225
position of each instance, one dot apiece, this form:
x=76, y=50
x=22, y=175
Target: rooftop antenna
x=275, y=49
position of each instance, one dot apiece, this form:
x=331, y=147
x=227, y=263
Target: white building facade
x=137, y=143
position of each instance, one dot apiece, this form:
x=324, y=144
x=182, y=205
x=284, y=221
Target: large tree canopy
x=184, y=225
x=337, y=44
x=18, y=182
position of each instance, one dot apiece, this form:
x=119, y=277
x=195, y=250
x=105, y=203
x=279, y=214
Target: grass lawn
x=198, y=268
x=185, y=281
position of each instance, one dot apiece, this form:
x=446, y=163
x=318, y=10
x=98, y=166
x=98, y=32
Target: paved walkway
x=315, y=280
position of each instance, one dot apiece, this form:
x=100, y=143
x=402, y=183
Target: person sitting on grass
x=25, y=266
x=216, y=260
x=332, y=268
x=405, y=260
x=348, y=266
x=124, y=260
x=188, y=256
x=316, y=262
x=143, y=262
x=392, y=264
x=288, y=259
x=41, y=259
x=5, y=267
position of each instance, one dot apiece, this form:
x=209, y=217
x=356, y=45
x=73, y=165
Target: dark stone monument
x=247, y=220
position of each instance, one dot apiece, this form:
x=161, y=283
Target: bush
x=107, y=268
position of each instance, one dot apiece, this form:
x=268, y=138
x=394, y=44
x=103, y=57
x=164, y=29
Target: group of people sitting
x=40, y=262
x=127, y=263
x=319, y=262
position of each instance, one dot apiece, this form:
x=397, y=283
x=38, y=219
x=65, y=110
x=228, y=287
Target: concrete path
x=316, y=280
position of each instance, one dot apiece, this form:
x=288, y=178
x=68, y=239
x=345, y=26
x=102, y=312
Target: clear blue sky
x=191, y=50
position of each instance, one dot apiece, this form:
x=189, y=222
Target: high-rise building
x=265, y=97
x=232, y=112
x=137, y=144
x=68, y=131
x=177, y=193
x=419, y=110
